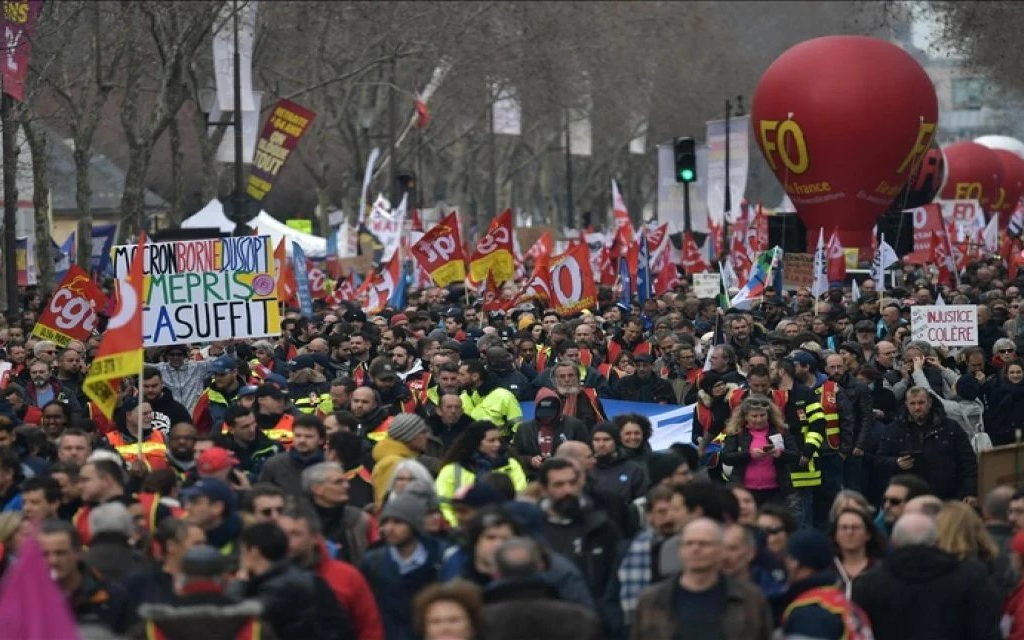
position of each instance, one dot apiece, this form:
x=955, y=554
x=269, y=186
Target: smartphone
x=768, y=447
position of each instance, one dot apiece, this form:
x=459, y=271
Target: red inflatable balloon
x=1011, y=187
x=842, y=121
x=973, y=172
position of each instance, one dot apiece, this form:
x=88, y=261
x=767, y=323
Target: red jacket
x=352, y=592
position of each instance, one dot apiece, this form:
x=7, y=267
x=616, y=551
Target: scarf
x=481, y=463
x=308, y=460
x=569, y=404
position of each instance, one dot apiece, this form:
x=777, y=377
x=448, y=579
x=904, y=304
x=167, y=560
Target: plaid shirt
x=635, y=571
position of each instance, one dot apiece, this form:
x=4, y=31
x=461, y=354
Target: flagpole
x=138, y=408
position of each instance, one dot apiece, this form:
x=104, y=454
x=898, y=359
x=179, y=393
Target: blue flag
x=102, y=241
x=627, y=284
x=397, y=299
x=302, y=280
x=643, y=270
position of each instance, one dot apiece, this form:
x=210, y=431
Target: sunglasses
x=773, y=530
x=1007, y=351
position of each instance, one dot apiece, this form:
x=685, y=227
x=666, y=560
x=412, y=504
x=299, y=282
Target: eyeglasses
x=893, y=501
x=1007, y=351
x=772, y=531
x=269, y=511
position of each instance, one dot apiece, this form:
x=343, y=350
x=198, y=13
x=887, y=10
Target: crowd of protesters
x=375, y=478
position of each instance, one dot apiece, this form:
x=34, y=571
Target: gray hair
x=414, y=468
x=263, y=344
x=915, y=529
x=1003, y=343
x=487, y=341
x=317, y=474
x=42, y=346
x=518, y=558
x=111, y=517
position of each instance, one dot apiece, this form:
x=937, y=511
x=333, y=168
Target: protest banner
x=71, y=312
x=798, y=269
x=707, y=285
x=927, y=223
x=19, y=22
x=573, y=288
x=951, y=325
x=302, y=280
x=205, y=290
x=285, y=125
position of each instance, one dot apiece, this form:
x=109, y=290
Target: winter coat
x=924, y=593
x=296, y=603
x=1005, y=411
x=285, y=470
x=592, y=542
x=532, y=603
x=943, y=454
x=514, y=381
x=526, y=441
x=1013, y=612
x=394, y=591
x=969, y=414
x=347, y=527
x=618, y=479
x=252, y=457
x=203, y=615
x=746, y=616
x=736, y=454
x=386, y=455
x=352, y=592
x=858, y=395
x=454, y=476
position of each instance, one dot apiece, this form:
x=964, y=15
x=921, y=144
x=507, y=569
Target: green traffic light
x=686, y=175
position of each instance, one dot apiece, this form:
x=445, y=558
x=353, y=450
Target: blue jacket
x=394, y=592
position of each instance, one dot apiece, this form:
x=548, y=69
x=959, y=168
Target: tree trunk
x=177, y=175
x=133, y=198
x=37, y=144
x=83, y=200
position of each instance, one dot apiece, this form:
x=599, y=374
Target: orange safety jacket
x=154, y=449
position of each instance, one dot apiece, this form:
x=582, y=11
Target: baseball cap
x=452, y=311
x=451, y=345
x=398, y=319
x=215, y=459
x=354, y=315
x=213, y=489
x=278, y=379
x=247, y=390
x=301, y=362
x=223, y=364
x=868, y=299
x=643, y=357
x=804, y=358
x=383, y=370
x=864, y=325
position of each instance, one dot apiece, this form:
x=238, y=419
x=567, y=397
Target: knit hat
x=610, y=429
x=967, y=387
x=406, y=426
x=811, y=549
x=663, y=465
x=407, y=508
x=709, y=380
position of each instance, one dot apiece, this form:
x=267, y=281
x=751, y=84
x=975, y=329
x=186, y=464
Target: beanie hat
x=709, y=380
x=663, y=465
x=610, y=429
x=967, y=387
x=406, y=426
x=477, y=495
x=811, y=549
x=407, y=508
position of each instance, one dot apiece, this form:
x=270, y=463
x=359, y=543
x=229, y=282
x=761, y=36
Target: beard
x=567, y=390
x=568, y=507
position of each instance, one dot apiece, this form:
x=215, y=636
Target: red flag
x=572, y=284
x=415, y=224
x=317, y=281
x=741, y=262
x=492, y=299
x=120, y=352
x=1017, y=259
x=836, y=259
x=70, y=314
x=666, y=278
x=693, y=259
x=422, y=113
x=382, y=286
x=608, y=272
x=537, y=287
x=494, y=252
x=542, y=247
x=439, y=252
x=716, y=238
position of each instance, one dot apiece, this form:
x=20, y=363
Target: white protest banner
x=670, y=427
x=739, y=161
x=706, y=285
x=951, y=325
x=204, y=290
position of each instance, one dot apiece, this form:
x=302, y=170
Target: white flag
x=991, y=235
x=729, y=277
x=506, y=114
x=820, y=285
x=885, y=257
x=580, y=141
x=855, y=291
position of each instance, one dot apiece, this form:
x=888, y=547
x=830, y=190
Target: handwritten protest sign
x=707, y=285
x=798, y=269
x=203, y=290
x=953, y=325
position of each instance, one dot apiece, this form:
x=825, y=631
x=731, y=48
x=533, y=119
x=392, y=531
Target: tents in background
x=212, y=215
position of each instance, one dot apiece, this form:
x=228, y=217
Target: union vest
x=829, y=399
x=154, y=448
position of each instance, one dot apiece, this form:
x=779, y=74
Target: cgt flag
x=439, y=252
x=120, y=353
x=70, y=313
x=573, y=288
x=494, y=252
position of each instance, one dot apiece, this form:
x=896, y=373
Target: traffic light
x=686, y=159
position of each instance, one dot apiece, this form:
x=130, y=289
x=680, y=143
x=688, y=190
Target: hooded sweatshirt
x=541, y=438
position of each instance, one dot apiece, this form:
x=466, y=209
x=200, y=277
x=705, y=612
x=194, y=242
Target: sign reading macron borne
x=203, y=290
x=953, y=325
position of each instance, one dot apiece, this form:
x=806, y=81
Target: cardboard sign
x=798, y=269
x=707, y=285
x=947, y=325
x=70, y=313
x=205, y=290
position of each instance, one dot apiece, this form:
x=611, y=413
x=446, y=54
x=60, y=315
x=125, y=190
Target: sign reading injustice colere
x=946, y=325
x=203, y=290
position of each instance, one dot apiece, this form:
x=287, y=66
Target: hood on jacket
x=705, y=398
x=547, y=392
x=918, y=563
x=388, y=447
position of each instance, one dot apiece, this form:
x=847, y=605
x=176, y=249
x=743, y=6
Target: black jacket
x=736, y=453
x=616, y=476
x=925, y=593
x=252, y=456
x=514, y=381
x=1005, y=411
x=591, y=541
x=297, y=604
x=448, y=433
x=526, y=440
x=862, y=404
x=651, y=389
x=943, y=456
x=168, y=412
x=203, y=615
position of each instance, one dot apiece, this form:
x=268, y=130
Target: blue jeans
x=801, y=504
